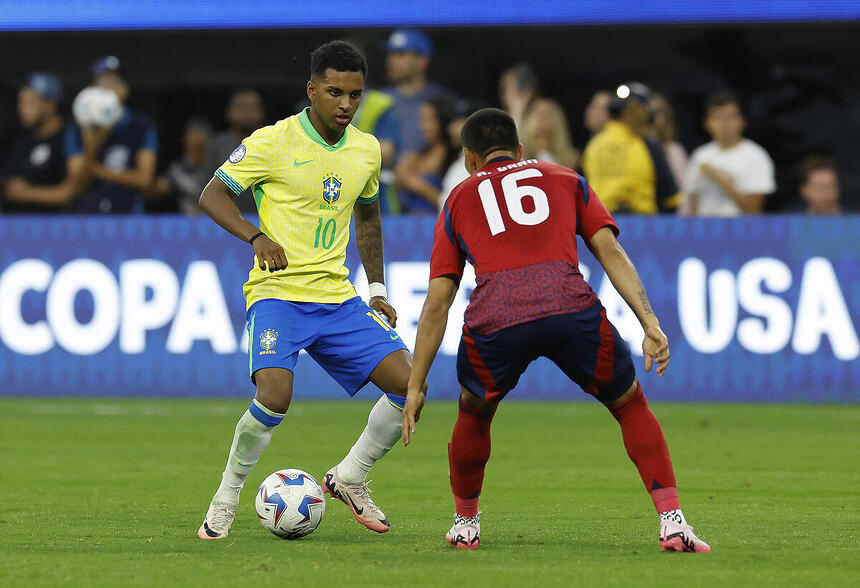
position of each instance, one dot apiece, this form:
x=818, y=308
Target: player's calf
x=253, y=433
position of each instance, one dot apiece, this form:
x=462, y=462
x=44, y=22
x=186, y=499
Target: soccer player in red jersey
x=516, y=222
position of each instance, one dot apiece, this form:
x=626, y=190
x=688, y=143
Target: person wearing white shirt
x=731, y=175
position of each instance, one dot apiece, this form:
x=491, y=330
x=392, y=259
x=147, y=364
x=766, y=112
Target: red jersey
x=516, y=222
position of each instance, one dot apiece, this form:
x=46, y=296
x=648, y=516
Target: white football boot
x=675, y=536
x=218, y=521
x=357, y=498
x=466, y=532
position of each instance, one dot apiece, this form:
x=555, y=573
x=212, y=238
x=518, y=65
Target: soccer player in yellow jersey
x=310, y=174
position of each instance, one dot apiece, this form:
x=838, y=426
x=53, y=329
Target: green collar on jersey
x=311, y=132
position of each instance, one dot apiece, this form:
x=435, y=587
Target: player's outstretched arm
x=368, y=239
x=431, y=329
x=621, y=271
x=217, y=202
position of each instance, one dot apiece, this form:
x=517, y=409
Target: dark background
x=799, y=82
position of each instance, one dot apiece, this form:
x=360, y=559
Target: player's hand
x=412, y=412
x=655, y=347
x=270, y=256
x=380, y=304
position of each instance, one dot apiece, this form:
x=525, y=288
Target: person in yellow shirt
x=310, y=175
x=629, y=171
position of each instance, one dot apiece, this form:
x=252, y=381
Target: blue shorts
x=585, y=345
x=347, y=340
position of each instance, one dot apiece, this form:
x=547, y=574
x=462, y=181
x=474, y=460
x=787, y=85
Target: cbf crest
x=268, y=340
x=331, y=189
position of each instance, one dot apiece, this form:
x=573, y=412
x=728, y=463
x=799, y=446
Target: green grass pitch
x=110, y=492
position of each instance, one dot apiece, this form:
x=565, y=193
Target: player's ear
x=471, y=160
x=520, y=152
x=311, y=89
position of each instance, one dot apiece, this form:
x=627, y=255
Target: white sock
x=251, y=438
x=673, y=515
x=381, y=434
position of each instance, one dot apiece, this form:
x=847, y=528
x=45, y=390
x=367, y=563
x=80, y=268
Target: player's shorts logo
x=331, y=189
x=238, y=154
x=268, y=340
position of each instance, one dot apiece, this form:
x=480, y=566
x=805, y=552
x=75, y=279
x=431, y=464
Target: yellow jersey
x=305, y=190
x=627, y=173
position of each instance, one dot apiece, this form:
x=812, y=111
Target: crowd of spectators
x=633, y=158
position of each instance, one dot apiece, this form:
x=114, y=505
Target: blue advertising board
x=229, y=14
x=758, y=309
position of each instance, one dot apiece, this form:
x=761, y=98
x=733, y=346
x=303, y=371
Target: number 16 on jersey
x=514, y=194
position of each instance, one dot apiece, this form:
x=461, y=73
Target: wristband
x=251, y=240
x=378, y=289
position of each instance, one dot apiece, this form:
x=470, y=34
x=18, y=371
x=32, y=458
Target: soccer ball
x=97, y=107
x=290, y=504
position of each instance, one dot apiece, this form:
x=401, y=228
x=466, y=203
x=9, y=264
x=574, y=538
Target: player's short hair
x=488, y=130
x=722, y=98
x=339, y=56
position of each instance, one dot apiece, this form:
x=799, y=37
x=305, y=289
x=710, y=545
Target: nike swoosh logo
x=394, y=337
x=297, y=163
x=329, y=482
x=357, y=510
x=244, y=465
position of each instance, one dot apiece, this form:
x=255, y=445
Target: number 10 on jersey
x=514, y=194
x=325, y=233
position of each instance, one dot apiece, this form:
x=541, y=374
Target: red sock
x=646, y=446
x=468, y=453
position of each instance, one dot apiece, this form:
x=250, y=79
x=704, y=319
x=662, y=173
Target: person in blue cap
x=33, y=177
x=409, y=55
x=116, y=165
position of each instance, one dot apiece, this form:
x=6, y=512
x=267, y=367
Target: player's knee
x=625, y=397
x=274, y=400
x=274, y=389
x=476, y=404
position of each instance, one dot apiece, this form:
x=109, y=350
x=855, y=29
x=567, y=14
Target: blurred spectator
x=730, y=175
x=663, y=131
x=628, y=171
x=186, y=177
x=419, y=174
x=518, y=90
x=245, y=114
x=114, y=166
x=819, y=186
x=409, y=54
x=546, y=135
x=597, y=112
x=33, y=177
x=376, y=115
x=457, y=171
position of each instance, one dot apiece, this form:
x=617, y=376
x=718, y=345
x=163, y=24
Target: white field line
x=120, y=409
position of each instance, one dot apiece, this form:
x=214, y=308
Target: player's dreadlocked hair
x=338, y=55
x=488, y=130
